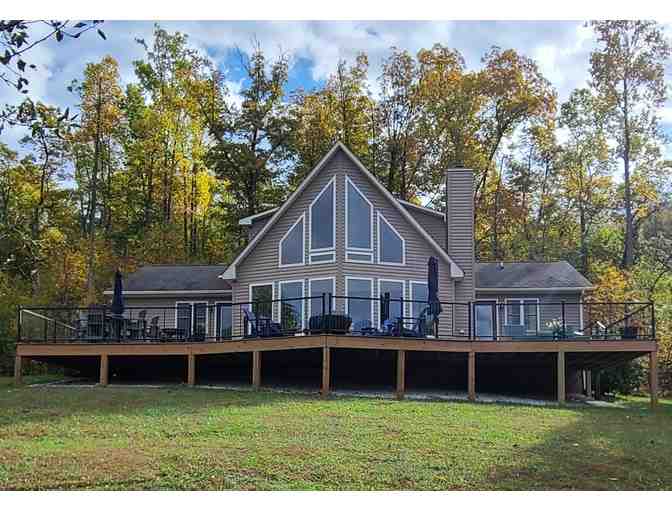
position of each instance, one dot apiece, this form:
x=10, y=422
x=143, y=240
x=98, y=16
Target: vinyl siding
x=256, y=227
x=460, y=236
x=550, y=306
x=164, y=308
x=262, y=264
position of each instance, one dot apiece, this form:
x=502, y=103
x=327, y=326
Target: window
x=396, y=290
x=358, y=224
x=224, y=320
x=323, y=225
x=291, y=245
x=291, y=305
x=523, y=312
x=191, y=318
x=316, y=288
x=261, y=296
x=391, y=246
x=359, y=306
x=322, y=258
x=353, y=256
x=419, y=298
x=183, y=317
x=485, y=319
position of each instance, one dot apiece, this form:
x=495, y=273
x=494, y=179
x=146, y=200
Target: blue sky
x=560, y=48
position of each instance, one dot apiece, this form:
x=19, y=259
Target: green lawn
x=180, y=438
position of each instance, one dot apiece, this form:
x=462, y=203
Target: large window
x=359, y=306
x=419, y=298
x=261, y=296
x=291, y=305
x=316, y=289
x=391, y=246
x=291, y=245
x=191, y=318
x=323, y=225
x=358, y=224
x=523, y=312
x=395, y=288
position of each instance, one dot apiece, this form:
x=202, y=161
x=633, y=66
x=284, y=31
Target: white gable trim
x=230, y=273
x=248, y=220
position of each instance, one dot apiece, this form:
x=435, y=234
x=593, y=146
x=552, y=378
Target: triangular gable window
x=292, y=244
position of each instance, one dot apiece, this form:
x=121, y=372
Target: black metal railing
x=383, y=316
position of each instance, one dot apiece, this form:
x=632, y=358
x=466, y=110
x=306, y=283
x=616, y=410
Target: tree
x=628, y=73
x=341, y=111
x=252, y=142
x=401, y=145
x=18, y=37
x=586, y=166
x=100, y=97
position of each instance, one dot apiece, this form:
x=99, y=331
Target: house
x=343, y=233
x=343, y=245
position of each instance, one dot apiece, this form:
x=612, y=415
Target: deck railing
x=485, y=320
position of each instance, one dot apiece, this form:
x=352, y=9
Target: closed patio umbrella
x=433, y=287
x=384, y=307
x=117, y=307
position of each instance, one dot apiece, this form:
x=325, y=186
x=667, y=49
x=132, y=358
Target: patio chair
x=95, y=322
x=418, y=328
x=154, y=331
x=260, y=326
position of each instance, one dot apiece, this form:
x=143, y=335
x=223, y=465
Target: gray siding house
x=342, y=233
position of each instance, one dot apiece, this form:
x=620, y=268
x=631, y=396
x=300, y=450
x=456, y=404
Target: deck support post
x=471, y=376
x=589, y=383
x=561, y=377
x=104, y=370
x=191, y=369
x=653, y=377
x=326, y=371
x=256, y=369
x=18, y=370
x=401, y=374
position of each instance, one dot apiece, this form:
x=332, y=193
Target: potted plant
x=557, y=327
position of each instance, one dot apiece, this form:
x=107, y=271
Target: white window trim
x=310, y=292
x=264, y=284
x=330, y=261
x=217, y=324
x=349, y=253
x=521, y=300
x=302, y=299
x=349, y=248
x=411, y=296
x=403, y=243
x=347, y=295
x=332, y=248
x=403, y=294
x=303, y=243
x=192, y=303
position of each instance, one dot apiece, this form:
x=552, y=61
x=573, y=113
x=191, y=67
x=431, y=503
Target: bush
x=625, y=379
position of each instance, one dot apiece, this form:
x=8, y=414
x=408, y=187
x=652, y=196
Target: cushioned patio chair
x=260, y=326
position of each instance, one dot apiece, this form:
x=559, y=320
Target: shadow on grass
x=603, y=449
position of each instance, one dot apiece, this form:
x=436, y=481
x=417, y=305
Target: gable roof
x=230, y=273
x=182, y=278
x=529, y=275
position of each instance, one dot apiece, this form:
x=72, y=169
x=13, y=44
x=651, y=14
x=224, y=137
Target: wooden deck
x=590, y=351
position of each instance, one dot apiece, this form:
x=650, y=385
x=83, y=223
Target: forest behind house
x=161, y=170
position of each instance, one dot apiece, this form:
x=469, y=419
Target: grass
x=181, y=438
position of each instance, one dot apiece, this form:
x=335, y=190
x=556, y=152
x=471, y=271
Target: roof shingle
x=528, y=275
